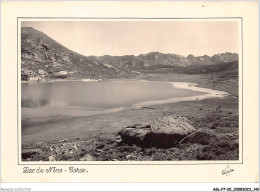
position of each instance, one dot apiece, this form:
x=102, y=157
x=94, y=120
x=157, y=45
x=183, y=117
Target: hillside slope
x=43, y=58
x=223, y=69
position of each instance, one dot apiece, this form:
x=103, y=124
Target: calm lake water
x=72, y=109
x=97, y=96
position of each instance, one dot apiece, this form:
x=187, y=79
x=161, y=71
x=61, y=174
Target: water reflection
x=34, y=103
x=96, y=95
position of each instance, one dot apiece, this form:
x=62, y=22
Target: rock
x=138, y=136
x=170, y=124
x=189, y=151
x=66, y=58
x=60, y=74
x=51, y=158
x=28, y=153
x=62, y=140
x=42, y=72
x=213, y=127
x=164, y=132
x=100, y=151
x=203, y=137
x=43, y=146
x=168, y=130
x=26, y=74
x=36, y=78
x=118, y=139
x=128, y=156
x=115, y=160
x=45, y=46
x=87, y=157
x=139, y=126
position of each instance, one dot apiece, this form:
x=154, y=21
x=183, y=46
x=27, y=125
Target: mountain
x=43, y=58
x=159, y=60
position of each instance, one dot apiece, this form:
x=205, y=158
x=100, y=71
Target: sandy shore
x=209, y=93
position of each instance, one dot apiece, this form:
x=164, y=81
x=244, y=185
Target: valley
x=214, y=121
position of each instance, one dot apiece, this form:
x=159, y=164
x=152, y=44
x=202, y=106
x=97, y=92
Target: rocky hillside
x=43, y=58
x=160, y=60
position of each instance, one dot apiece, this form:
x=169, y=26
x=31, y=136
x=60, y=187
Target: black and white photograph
x=129, y=96
x=130, y=90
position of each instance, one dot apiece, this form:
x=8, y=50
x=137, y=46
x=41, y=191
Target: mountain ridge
x=43, y=58
x=161, y=59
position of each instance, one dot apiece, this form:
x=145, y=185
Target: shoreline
x=209, y=93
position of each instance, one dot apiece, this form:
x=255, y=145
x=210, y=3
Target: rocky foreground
x=168, y=138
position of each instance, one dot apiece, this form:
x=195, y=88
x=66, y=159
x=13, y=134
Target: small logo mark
x=227, y=171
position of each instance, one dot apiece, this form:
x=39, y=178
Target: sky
x=126, y=37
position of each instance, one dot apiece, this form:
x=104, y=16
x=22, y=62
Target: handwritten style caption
x=54, y=169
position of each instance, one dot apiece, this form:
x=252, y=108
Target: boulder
x=42, y=72
x=60, y=74
x=37, y=78
x=137, y=134
x=164, y=132
x=51, y=158
x=87, y=157
x=169, y=130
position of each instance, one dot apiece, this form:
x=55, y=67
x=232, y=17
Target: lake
x=97, y=96
x=53, y=107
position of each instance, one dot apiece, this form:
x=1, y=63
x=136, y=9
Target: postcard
x=129, y=92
